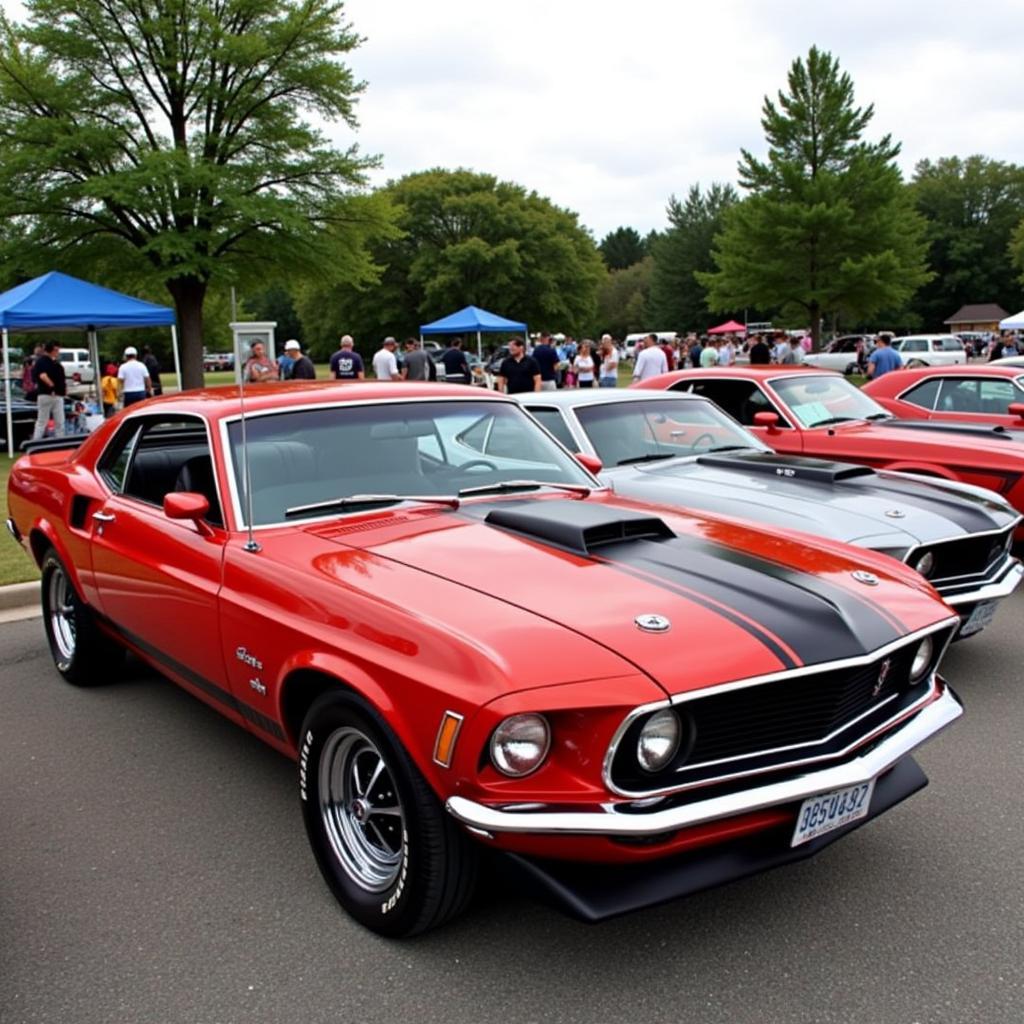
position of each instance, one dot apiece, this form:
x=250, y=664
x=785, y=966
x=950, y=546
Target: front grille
x=768, y=725
x=966, y=557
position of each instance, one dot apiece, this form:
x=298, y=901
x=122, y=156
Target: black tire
x=396, y=873
x=916, y=364
x=82, y=653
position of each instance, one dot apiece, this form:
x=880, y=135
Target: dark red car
x=821, y=414
x=469, y=644
x=970, y=395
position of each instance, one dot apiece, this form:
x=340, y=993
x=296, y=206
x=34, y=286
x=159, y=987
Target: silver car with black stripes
x=679, y=449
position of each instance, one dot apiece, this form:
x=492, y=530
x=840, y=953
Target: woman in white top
x=609, y=377
x=583, y=364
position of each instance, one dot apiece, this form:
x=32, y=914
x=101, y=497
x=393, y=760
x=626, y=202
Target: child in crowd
x=108, y=389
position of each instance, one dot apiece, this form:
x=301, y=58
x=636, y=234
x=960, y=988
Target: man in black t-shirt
x=51, y=387
x=519, y=372
x=547, y=359
x=760, y=353
x=346, y=363
x=456, y=366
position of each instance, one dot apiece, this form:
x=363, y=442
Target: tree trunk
x=188, y=294
x=815, y=310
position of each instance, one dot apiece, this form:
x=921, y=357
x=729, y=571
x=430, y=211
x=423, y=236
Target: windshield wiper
x=649, y=457
x=880, y=416
x=733, y=448
x=370, y=500
x=834, y=419
x=523, y=485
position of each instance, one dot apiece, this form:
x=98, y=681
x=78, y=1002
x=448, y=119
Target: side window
x=915, y=345
x=172, y=455
x=996, y=395
x=959, y=396
x=951, y=345
x=113, y=467
x=924, y=394
x=552, y=419
x=741, y=399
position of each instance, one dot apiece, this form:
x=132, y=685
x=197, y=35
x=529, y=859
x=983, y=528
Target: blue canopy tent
x=472, y=319
x=58, y=302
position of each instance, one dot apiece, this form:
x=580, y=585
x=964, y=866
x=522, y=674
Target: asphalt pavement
x=154, y=869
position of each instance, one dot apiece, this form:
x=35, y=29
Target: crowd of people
x=44, y=382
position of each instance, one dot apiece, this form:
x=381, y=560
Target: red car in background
x=969, y=395
x=822, y=415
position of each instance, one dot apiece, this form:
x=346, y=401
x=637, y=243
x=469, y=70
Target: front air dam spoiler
x=596, y=892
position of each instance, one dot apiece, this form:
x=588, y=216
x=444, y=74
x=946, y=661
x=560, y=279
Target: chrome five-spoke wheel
x=361, y=810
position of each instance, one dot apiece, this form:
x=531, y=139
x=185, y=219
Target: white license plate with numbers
x=829, y=811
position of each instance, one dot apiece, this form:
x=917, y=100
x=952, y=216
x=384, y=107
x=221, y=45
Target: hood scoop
x=578, y=526
x=788, y=468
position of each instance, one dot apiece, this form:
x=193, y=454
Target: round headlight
x=658, y=741
x=922, y=659
x=925, y=564
x=520, y=744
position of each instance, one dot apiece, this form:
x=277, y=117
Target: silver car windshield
x=624, y=433
x=817, y=400
x=307, y=457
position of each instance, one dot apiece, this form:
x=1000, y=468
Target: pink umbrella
x=731, y=327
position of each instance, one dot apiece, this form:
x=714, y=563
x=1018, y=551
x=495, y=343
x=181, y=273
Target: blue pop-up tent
x=59, y=302
x=470, y=320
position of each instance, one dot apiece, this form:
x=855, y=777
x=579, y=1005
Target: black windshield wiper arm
x=649, y=457
x=523, y=485
x=733, y=448
x=880, y=416
x=371, y=499
x=834, y=419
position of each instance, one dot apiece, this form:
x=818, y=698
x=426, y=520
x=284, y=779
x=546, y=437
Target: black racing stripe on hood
x=965, y=510
x=817, y=620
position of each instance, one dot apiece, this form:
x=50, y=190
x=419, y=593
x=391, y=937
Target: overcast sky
x=609, y=108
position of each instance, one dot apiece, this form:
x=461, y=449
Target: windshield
x=309, y=456
x=629, y=432
x=817, y=400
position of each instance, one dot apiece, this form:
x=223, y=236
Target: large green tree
x=972, y=207
x=827, y=224
x=464, y=238
x=623, y=300
x=622, y=248
x=170, y=142
x=678, y=300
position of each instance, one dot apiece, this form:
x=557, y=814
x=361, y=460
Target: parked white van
x=632, y=339
x=78, y=367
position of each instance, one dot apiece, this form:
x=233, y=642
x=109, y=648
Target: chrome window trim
x=715, y=689
x=229, y=465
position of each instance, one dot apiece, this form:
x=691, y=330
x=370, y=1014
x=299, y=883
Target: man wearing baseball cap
x=133, y=378
x=302, y=366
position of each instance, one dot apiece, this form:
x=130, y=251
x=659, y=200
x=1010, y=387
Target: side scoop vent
x=787, y=468
x=579, y=526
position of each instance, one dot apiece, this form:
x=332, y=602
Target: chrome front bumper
x=612, y=820
x=1004, y=585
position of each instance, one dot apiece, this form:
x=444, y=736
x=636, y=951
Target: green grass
x=15, y=565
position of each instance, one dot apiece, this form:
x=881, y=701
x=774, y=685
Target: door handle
x=104, y=517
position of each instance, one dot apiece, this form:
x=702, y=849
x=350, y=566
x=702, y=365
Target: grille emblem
x=883, y=674
x=652, y=623
x=895, y=513
x=869, y=579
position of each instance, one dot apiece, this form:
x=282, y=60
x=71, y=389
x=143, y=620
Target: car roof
x=765, y=373
x=220, y=402
x=924, y=372
x=601, y=396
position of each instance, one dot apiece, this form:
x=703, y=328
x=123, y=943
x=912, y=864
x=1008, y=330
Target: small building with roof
x=984, y=316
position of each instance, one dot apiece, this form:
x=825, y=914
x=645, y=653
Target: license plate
x=979, y=618
x=828, y=811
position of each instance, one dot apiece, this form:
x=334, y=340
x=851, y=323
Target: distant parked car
x=214, y=362
x=78, y=366
x=841, y=354
x=930, y=350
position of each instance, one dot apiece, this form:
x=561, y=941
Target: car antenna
x=251, y=544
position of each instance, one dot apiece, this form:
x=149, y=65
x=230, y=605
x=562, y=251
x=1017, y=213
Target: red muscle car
x=468, y=651
x=822, y=415
x=971, y=395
